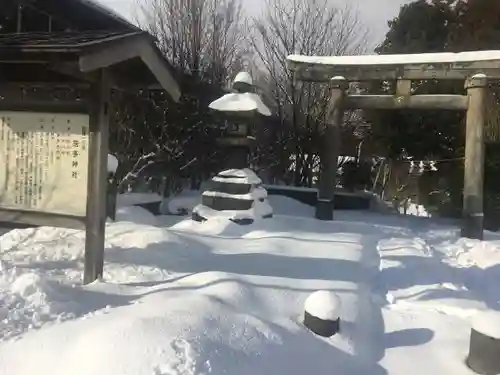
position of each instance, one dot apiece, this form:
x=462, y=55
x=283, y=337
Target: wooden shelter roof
x=132, y=57
x=47, y=40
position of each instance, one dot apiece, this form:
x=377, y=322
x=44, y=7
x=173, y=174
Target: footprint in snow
x=185, y=362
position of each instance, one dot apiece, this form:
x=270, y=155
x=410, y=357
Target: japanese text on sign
x=43, y=162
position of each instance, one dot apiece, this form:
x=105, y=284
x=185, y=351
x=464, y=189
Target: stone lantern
x=236, y=193
x=242, y=109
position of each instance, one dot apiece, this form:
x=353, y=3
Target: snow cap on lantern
x=322, y=313
x=243, y=100
x=243, y=77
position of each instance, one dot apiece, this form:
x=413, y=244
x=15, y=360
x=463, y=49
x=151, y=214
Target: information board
x=44, y=162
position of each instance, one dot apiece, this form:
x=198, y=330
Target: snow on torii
x=444, y=65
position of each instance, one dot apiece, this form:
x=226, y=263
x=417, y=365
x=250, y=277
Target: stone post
x=331, y=149
x=473, y=216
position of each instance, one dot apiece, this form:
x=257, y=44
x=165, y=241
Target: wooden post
x=473, y=216
x=331, y=149
x=97, y=178
x=19, y=21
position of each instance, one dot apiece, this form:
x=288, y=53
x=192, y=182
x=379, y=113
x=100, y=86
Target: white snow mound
x=196, y=334
x=135, y=214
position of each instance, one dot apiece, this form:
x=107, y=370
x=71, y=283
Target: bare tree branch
x=204, y=38
x=307, y=27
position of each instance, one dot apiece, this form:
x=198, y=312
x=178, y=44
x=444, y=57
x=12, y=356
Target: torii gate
x=474, y=68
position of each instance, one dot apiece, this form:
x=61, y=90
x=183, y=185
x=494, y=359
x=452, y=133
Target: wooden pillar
x=19, y=20
x=331, y=149
x=97, y=178
x=473, y=216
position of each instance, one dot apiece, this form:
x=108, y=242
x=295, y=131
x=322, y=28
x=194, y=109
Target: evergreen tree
x=439, y=26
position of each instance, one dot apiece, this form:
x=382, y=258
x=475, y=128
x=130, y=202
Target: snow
x=186, y=202
x=129, y=199
x=240, y=102
x=410, y=208
x=112, y=163
x=324, y=305
x=220, y=298
x=134, y=214
x=393, y=59
x=259, y=210
x=256, y=193
x=244, y=77
x=182, y=203
x=240, y=173
x=238, y=176
x=487, y=323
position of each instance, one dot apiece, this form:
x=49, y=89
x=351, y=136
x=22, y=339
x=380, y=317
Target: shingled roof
x=70, y=40
x=132, y=58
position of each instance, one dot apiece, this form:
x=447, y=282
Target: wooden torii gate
x=474, y=68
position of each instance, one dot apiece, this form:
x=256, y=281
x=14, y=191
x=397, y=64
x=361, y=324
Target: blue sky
x=375, y=13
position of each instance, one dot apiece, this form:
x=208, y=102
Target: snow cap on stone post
x=339, y=82
x=112, y=164
x=477, y=80
x=322, y=313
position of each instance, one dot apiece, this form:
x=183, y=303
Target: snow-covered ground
x=189, y=298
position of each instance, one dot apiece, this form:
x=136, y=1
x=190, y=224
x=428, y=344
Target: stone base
x=236, y=195
x=230, y=188
x=226, y=203
x=484, y=354
x=324, y=328
x=324, y=210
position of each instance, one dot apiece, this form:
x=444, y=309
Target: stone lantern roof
x=243, y=99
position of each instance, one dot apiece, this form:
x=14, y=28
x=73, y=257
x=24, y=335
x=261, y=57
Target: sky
x=374, y=13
